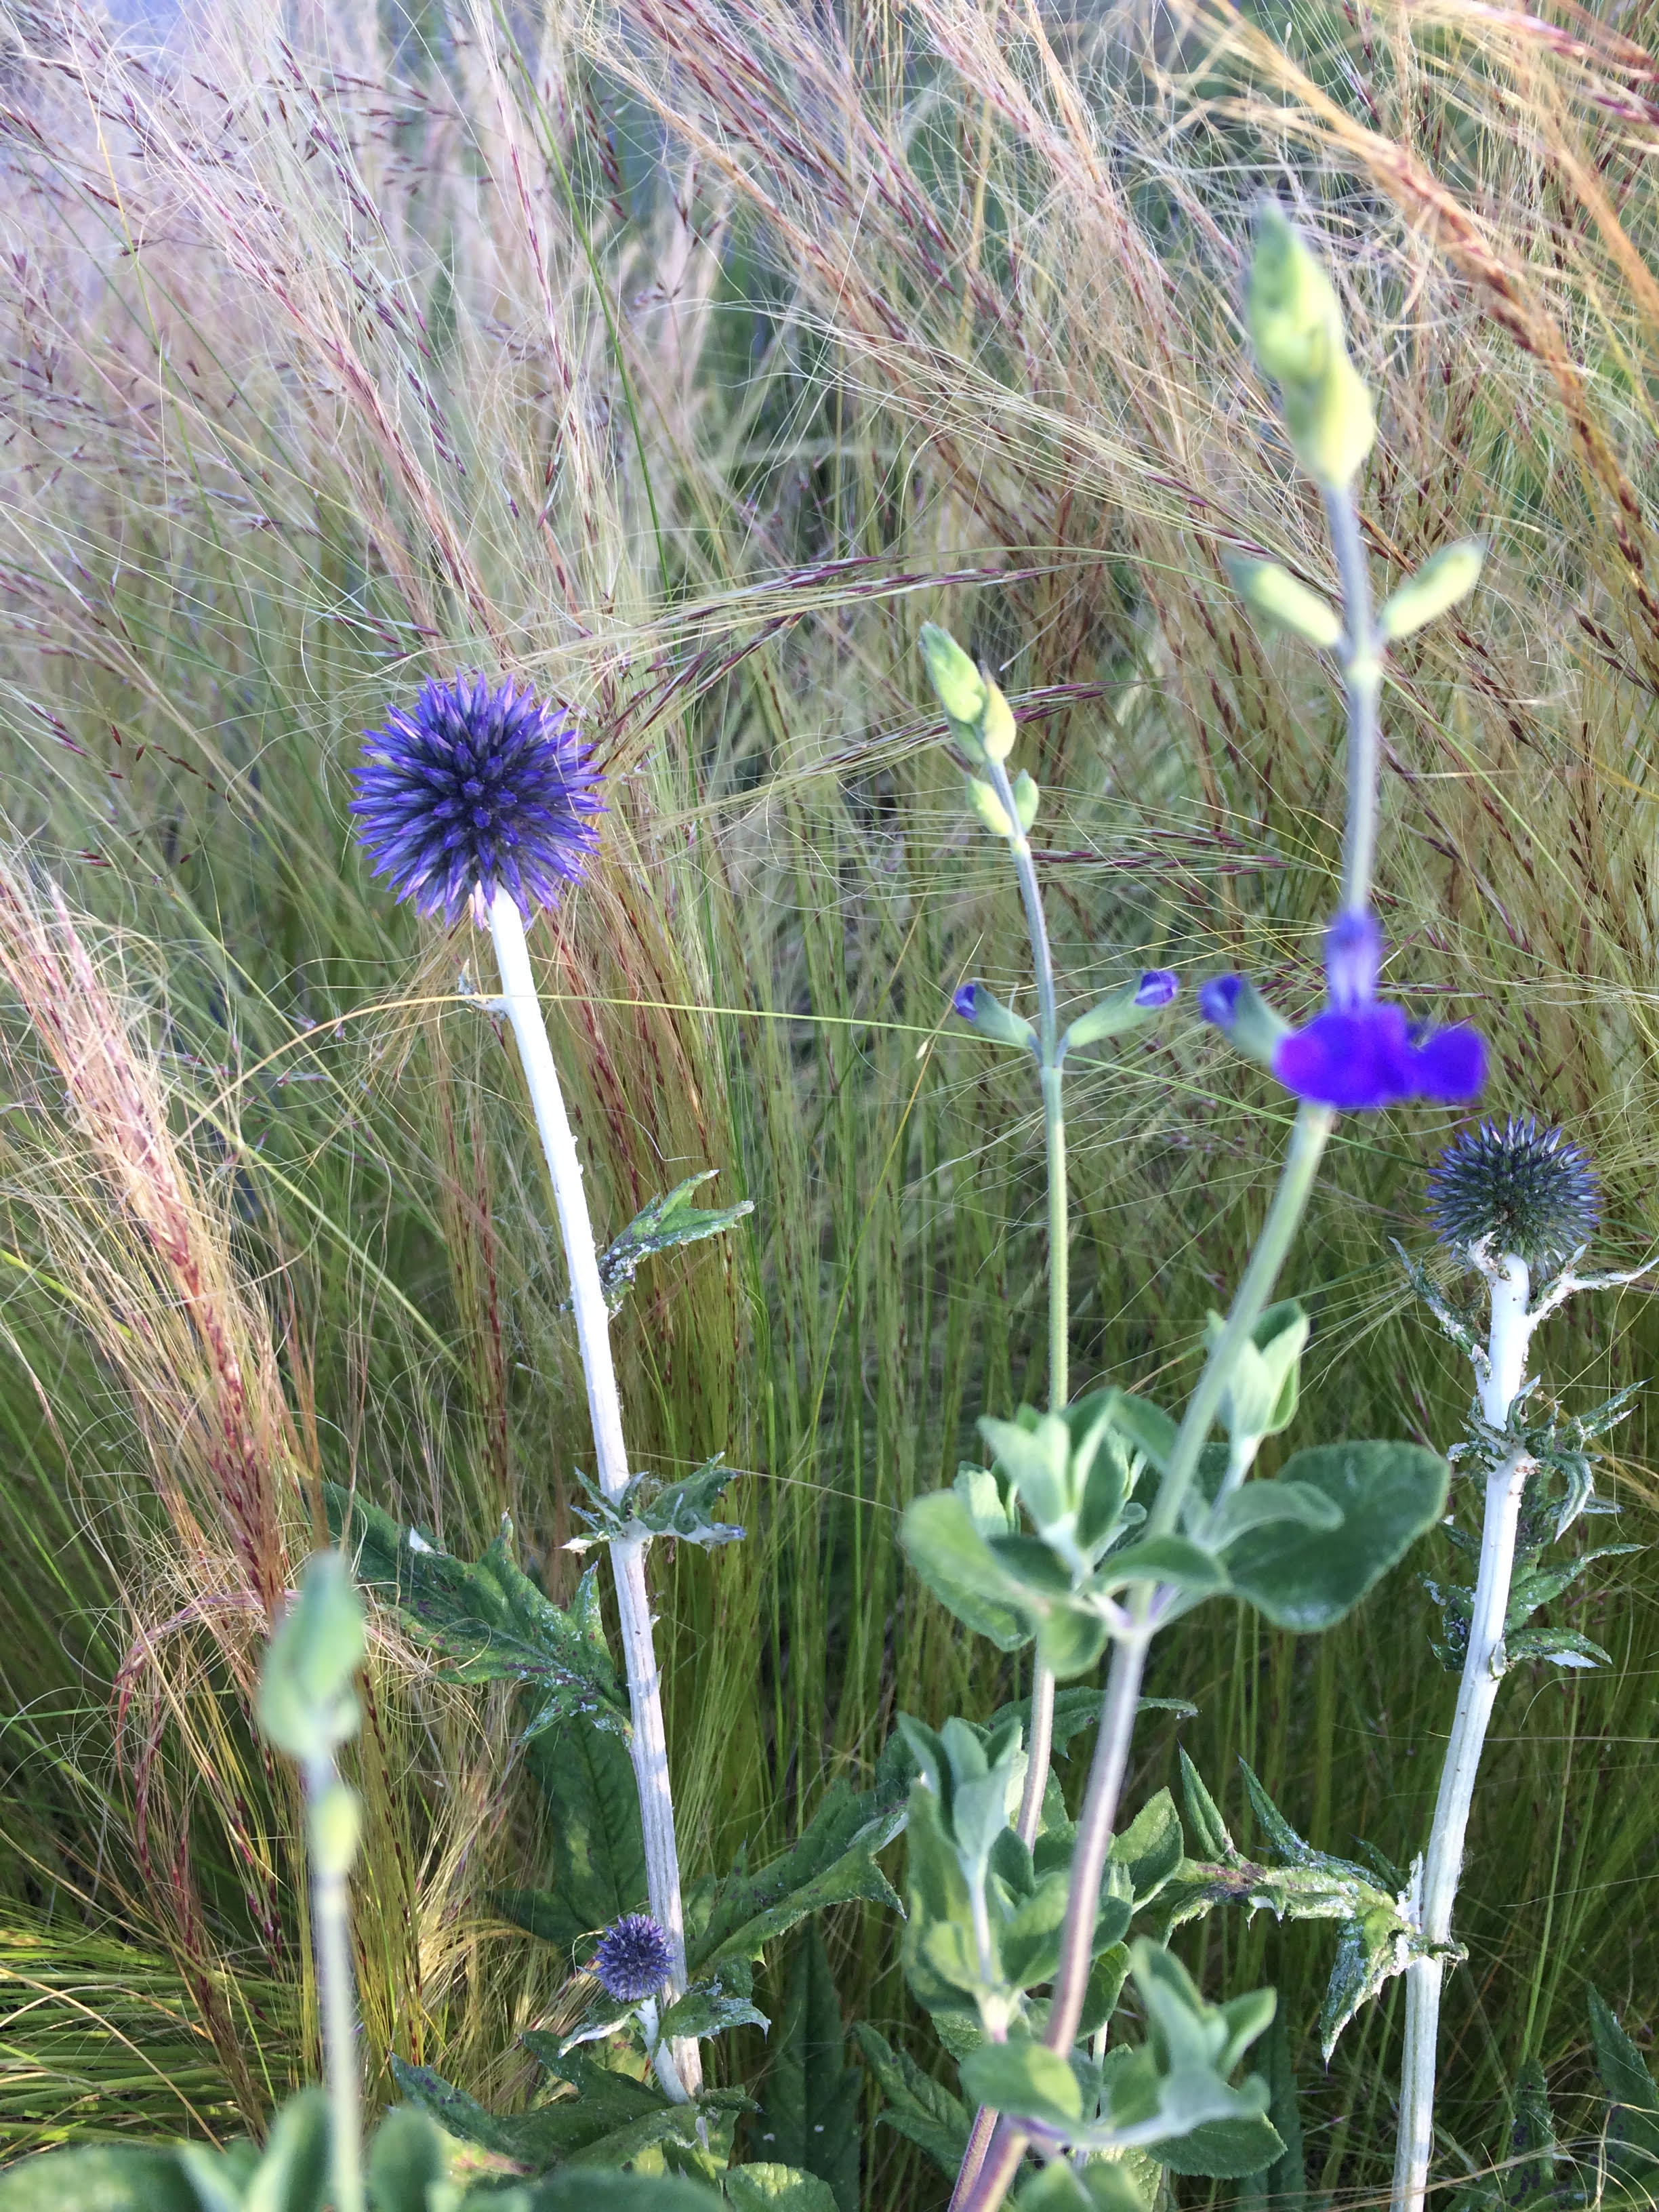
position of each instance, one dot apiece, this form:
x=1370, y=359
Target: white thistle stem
x=1436, y=1879
x=522, y=1007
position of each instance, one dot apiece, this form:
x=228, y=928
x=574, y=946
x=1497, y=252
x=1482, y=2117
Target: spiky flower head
x=634, y=1958
x=1514, y=1188
x=471, y=790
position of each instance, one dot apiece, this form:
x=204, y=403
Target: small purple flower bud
x=1217, y=1000
x=1353, y=960
x=963, y=1002
x=634, y=1958
x=1158, y=988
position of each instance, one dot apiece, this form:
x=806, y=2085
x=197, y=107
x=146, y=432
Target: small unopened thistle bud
x=1514, y=1188
x=634, y=1959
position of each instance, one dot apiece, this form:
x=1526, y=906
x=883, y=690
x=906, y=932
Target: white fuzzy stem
x=523, y=1009
x=1437, y=1878
x=331, y=1936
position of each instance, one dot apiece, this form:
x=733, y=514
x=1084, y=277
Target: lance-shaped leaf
x=1633, y=2128
x=1441, y=581
x=917, y=2106
x=488, y=1622
x=809, y=2100
x=945, y=1539
x=649, y=1507
x=667, y=1222
x=1274, y=594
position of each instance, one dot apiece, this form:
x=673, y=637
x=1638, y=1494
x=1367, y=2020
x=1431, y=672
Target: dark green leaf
x=667, y=1222
x=1203, y=1814
x=1307, y=1579
x=649, y=1507
x=610, y=2119
x=1173, y=1559
x=1024, y=2079
x=1633, y=2132
x=1150, y=1848
x=489, y=1622
x=917, y=2106
x=1532, y=2137
x=810, y=2098
x=1104, y=2184
x=1555, y=1647
x=587, y=1778
x=1285, y=2183
x=585, y=2190
x=706, y=2009
x=550, y=1919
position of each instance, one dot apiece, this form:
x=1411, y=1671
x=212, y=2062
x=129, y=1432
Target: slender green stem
x=330, y=1935
x=1362, y=684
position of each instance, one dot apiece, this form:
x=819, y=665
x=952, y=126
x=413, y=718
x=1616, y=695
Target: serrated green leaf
x=586, y=1780
x=666, y=1223
x=548, y=1917
x=1307, y=1579
x=1633, y=2130
x=809, y=2115
x=1225, y=2149
x=918, y=2107
x=706, y=2009
x=769, y=2187
x=488, y=1622
x=588, y=2188
x=1554, y=1647
x=649, y=1507
x=1203, y=1815
x=1150, y=1848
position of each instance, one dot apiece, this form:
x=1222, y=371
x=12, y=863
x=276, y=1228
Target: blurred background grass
x=683, y=356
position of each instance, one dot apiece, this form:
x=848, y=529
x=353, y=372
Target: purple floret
x=474, y=790
x=1157, y=988
x=634, y=1958
x=1362, y=1053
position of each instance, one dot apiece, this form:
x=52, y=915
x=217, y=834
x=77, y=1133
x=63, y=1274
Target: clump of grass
x=683, y=357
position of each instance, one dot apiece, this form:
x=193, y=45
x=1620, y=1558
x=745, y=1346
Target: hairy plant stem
x=1362, y=687
x=519, y=1002
x=1436, y=1877
x=331, y=1937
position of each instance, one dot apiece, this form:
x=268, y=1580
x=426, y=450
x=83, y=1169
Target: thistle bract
x=474, y=791
x=634, y=1958
x=1514, y=1188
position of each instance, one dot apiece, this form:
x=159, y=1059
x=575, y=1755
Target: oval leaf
x=1307, y=1579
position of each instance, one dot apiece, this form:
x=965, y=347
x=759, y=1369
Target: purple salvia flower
x=472, y=791
x=1157, y=988
x=963, y=1000
x=1217, y=1000
x=1362, y=1053
x=634, y=1958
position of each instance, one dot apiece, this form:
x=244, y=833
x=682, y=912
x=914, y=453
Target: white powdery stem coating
x=331, y=1936
x=1436, y=1883
x=650, y=1745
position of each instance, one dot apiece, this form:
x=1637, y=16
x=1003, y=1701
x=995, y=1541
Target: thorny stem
x=1435, y=1880
x=331, y=1936
x=519, y=1002
x=1362, y=685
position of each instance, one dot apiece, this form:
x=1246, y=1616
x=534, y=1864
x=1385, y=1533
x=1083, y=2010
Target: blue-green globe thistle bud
x=961, y=689
x=1517, y=1189
x=307, y=1704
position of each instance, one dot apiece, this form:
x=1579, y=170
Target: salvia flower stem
x=1435, y=1884
x=522, y=1006
x=1040, y=1735
x=331, y=1937
x=1362, y=679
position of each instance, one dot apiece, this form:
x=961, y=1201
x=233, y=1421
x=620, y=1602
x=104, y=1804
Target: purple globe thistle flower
x=634, y=1958
x=472, y=791
x=1361, y=1053
x=1514, y=1188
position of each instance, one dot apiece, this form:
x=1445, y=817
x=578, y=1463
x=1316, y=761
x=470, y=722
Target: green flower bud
x=959, y=685
x=1260, y=1394
x=990, y=1018
x=1027, y=800
x=988, y=807
x=1439, y=584
x=1295, y=318
x=1331, y=423
x=997, y=734
x=307, y=1705
x=335, y=1829
x=1274, y=594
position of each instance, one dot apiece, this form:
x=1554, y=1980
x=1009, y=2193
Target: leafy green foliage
x=1632, y=2097
x=662, y=1226
x=609, y=2120
x=489, y=1622
x=586, y=1780
x=101, y=2177
x=649, y=1507
x=916, y=2107
x=808, y=2099
x=766, y=2186
x=1307, y=1577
